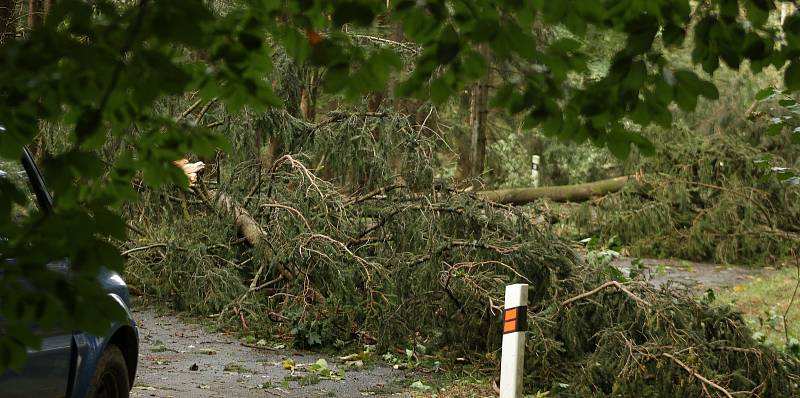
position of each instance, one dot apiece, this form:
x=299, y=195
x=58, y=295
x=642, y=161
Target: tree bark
x=477, y=124
x=563, y=193
x=247, y=226
x=374, y=102
x=8, y=22
x=478, y=111
x=36, y=10
x=311, y=77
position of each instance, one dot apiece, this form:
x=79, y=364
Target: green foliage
x=701, y=198
x=784, y=127
x=427, y=270
x=100, y=68
x=409, y=266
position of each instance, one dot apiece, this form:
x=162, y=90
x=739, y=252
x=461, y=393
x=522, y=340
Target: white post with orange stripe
x=514, y=325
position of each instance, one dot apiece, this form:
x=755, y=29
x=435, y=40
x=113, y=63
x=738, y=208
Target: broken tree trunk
x=562, y=193
x=247, y=226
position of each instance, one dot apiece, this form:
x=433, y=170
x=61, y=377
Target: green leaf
x=619, y=144
x=636, y=75
x=685, y=99
x=420, y=386
x=673, y=35
x=663, y=90
x=439, y=91
x=765, y=94
x=775, y=128
x=418, y=26
x=552, y=125
x=709, y=90
x=646, y=147
x=792, y=75
x=729, y=9
x=88, y=125
x=796, y=136
x=641, y=32
x=474, y=65
x=757, y=11
x=295, y=43
x=576, y=24
x=250, y=41
x=357, y=12
x=696, y=86
x=619, y=148
x=519, y=41
x=448, y=46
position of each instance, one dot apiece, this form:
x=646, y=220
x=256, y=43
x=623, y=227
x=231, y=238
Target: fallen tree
x=562, y=193
x=399, y=264
x=398, y=267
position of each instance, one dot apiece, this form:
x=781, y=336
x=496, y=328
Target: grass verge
x=764, y=303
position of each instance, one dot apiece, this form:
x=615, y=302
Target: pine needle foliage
x=704, y=198
x=406, y=259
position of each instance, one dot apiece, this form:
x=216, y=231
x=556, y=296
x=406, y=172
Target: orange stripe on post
x=510, y=326
x=515, y=319
x=510, y=314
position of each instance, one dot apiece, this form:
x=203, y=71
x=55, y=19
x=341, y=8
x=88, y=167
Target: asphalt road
x=178, y=360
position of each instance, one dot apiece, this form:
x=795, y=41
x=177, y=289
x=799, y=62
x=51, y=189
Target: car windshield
x=13, y=172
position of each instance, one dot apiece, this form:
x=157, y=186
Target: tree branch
x=616, y=284
x=698, y=375
x=128, y=252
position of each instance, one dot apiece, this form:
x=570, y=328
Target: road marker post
x=515, y=322
x=535, y=170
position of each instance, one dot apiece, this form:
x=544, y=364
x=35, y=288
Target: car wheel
x=110, y=379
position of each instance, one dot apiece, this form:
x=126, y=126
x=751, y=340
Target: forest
x=363, y=178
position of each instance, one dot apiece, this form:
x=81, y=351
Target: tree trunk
x=563, y=193
x=311, y=77
x=8, y=21
x=464, y=166
x=478, y=111
x=36, y=10
x=477, y=125
x=307, y=108
x=374, y=102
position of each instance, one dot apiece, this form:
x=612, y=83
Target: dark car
x=72, y=364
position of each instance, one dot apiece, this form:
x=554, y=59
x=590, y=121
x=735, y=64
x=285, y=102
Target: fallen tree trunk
x=247, y=226
x=561, y=193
